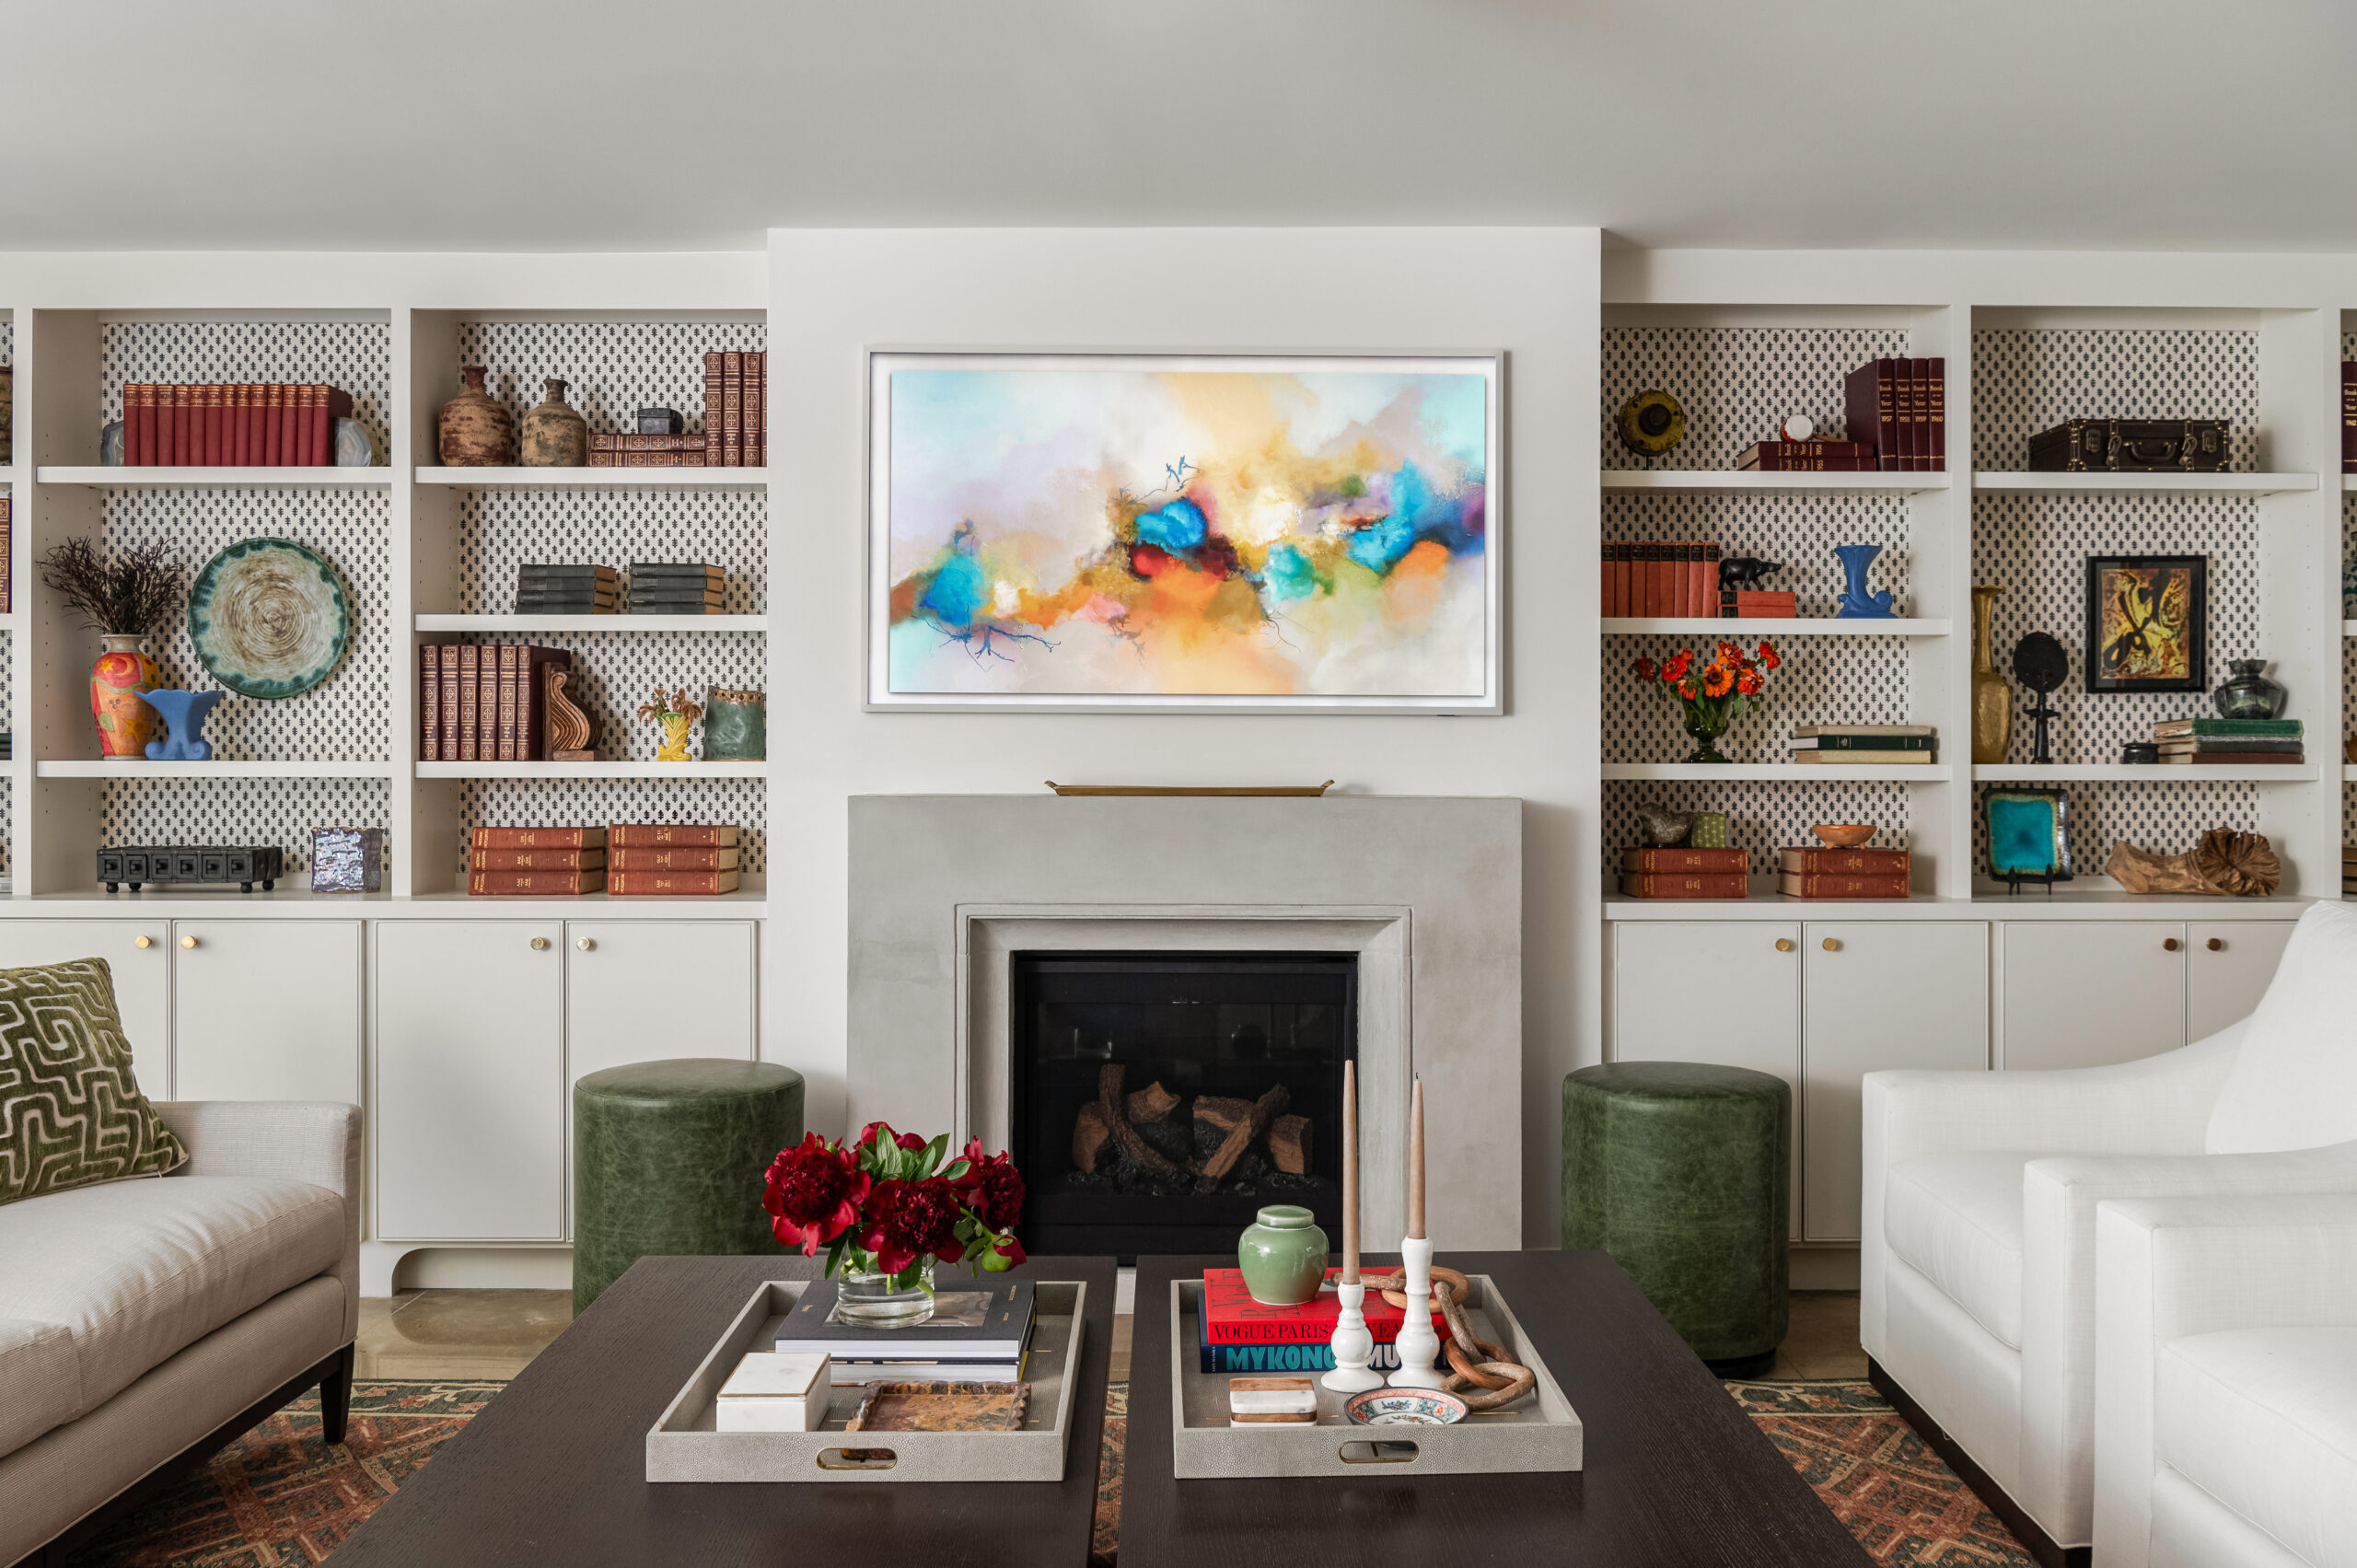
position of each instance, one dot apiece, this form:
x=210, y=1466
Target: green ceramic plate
x=270, y=618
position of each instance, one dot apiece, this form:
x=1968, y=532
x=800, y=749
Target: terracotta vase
x=126, y=722
x=476, y=431
x=555, y=437
x=1992, y=700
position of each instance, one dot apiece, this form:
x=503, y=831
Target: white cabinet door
x=2227, y=966
x=649, y=990
x=2090, y=992
x=143, y=979
x=1875, y=995
x=266, y=1009
x=1726, y=992
x=469, y=1100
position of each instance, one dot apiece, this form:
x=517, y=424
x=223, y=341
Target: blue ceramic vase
x=1857, y=604
x=185, y=712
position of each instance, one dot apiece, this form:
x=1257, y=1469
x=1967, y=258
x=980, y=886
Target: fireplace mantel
x=1426, y=890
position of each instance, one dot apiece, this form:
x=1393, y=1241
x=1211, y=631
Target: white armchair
x=1978, y=1244
x=2226, y=1383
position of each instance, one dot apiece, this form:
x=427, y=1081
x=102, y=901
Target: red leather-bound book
x=698, y=884
x=429, y=702
x=242, y=424
x=506, y=731
x=1685, y=885
x=1919, y=415
x=2348, y=417
x=449, y=702
x=1710, y=862
x=1935, y=415
x=215, y=437
x=469, y=698
x=302, y=391
x=268, y=414
x=716, y=404
x=1623, y=558
x=1803, y=885
x=1867, y=394
x=290, y=419
x=535, y=884
x=651, y=835
x=535, y=838
x=327, y=405
x=756, y=435
x=187, y=442
x=732, y=420
x=536, y=859
x=139, y=425
x=626, y=859
x=1812, y=862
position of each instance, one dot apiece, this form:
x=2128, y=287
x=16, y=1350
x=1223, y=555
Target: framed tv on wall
x=1184, y=532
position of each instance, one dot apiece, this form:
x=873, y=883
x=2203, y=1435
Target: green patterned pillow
x=71, y=1113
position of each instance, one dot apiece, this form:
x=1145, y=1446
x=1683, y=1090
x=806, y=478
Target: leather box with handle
x=2131, y=445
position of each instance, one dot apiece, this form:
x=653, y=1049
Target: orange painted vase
x=125, y=723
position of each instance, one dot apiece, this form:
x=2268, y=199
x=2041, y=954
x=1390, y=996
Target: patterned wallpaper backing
x=613, y=368
x=2025, y=380
x=353, y=356
x=562, y=803
x=502, y=530
x=1737, y=384
x=242, y=811
x=1824, y=681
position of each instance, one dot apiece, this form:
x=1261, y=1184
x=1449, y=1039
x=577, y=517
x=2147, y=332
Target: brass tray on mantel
x=1191, y=789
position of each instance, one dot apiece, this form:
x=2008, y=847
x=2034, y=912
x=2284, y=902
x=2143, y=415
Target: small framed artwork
x=2148, y=618
x=2030, y=836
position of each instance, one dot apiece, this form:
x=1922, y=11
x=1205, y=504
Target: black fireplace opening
x=1161, y=1099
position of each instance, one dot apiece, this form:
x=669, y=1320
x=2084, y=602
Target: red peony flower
x=1676, y=668
x=813, y=1193
x=906, y=1140
x=1768, y=655
x=905, y=1220
x=1646, y=668
x=992, y=1187
x=1748, y=683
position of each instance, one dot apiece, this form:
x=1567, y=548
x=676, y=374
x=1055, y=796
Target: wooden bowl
x=1844, y=835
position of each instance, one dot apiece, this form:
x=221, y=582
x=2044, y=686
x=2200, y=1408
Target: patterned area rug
x=277, y=1499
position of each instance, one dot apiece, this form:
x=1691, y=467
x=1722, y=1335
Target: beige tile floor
x=495, y=1333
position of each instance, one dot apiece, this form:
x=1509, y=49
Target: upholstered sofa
x=146, y=1322
x=1978, y=1296
x=2226, y=1383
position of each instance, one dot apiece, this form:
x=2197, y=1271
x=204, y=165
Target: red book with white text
x=1232, y=1317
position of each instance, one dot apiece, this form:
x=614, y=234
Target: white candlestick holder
x=1353, y=1346
x=1418, y=1346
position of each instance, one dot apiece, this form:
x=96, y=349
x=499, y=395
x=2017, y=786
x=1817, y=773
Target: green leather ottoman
x=668, y=1160
x=1682, y=1172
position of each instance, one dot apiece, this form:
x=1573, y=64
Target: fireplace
x=1160, y=1098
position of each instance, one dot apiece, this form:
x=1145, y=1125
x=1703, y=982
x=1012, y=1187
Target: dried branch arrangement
x=125, y=597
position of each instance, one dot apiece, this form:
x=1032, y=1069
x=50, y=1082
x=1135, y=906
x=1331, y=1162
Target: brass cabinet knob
x=1831, y=945
x=188, y=941
x=584, y=942
x=143, y=942
x=2169, y=944
x=539, y=944
x=2214, y=945
x=1783, y=944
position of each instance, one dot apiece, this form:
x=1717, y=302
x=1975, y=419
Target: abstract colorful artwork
x=2147, y=622
x=1125, y=531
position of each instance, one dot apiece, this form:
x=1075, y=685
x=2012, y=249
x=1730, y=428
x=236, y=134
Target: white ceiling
x=522, y=124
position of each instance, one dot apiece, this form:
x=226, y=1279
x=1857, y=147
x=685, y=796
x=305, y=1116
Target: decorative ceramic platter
x=270, y=618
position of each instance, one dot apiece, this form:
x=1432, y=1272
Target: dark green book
x=1868, y=743
x=2174, y=728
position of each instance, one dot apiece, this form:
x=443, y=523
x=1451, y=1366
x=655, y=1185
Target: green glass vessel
x=1282, y=1256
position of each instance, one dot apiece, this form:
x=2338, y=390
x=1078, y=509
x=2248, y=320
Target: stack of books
x=642, y=449
x=1235, y=1333
x=1758, y=604
x=674, y=588
x=2216, y=742
x=1808, y=456
x=1661, y=577
x=1900, y=407
x=1837, y=744
x=231, y=425
x=538, y=862
x=484, y=704
x=1812, y=871
x=735, y=421
x=671, y=859
x=1686, y=873
x=979, y=1333
x=564, y=588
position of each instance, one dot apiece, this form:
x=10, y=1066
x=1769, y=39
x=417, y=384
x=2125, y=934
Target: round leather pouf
x=667, y=1161
x=1682, y=1172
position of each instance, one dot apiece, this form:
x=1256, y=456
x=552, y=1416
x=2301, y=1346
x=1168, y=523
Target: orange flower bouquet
x=1713, y=691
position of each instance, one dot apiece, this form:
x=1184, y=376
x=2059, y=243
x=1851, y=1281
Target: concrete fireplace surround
x=1427, y=892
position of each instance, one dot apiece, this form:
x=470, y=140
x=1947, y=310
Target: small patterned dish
x=1404, y=1407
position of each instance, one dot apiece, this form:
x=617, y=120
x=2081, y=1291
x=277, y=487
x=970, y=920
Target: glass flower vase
x=1705, y=726
x=868, y=1300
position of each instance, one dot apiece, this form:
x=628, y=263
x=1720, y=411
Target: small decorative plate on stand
x=270, y=618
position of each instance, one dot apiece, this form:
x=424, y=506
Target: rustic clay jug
x=1992, y=700
x=555, y=437
x=476, y=431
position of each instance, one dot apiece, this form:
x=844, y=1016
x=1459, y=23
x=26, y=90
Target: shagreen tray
x=682, y=1444
x=1542, y=1432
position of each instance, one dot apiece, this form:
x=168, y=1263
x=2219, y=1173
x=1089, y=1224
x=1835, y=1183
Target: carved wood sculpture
x=2242, y=864
x=567, y=728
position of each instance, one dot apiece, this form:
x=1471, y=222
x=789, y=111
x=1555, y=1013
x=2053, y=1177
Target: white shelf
x=293, y=899
x=592, y=622
x=2349, y=628
x=2143, y=773
x=592, y=769
x=7, y=474
x=1735, y=629
x=128, y=768
x=1987, y=480
x=2068, y=902
x=595, y=478
x=144, y=478
x=1789, y=772
x=1875, y=482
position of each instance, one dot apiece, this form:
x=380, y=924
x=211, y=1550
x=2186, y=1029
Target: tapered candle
x=1350, y=1173
x=1416, y=1160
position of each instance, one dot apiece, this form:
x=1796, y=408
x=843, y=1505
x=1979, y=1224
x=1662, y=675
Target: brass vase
x=555, y=437
x=1992, y=700
x=476, y=431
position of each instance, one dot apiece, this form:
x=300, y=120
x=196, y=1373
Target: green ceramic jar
x=1282, y=1256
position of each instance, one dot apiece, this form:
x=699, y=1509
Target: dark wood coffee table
x=1677, y=1474
x=554, y=1472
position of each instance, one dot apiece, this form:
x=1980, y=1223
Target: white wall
x=1531, y=292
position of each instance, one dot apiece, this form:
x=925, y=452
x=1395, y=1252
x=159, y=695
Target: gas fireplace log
x=1089, y=1136
x=1109, y=1107
x=1289, y=1148
x=1239, y=1139
x=1153, y=1103
x=1223, y=1113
